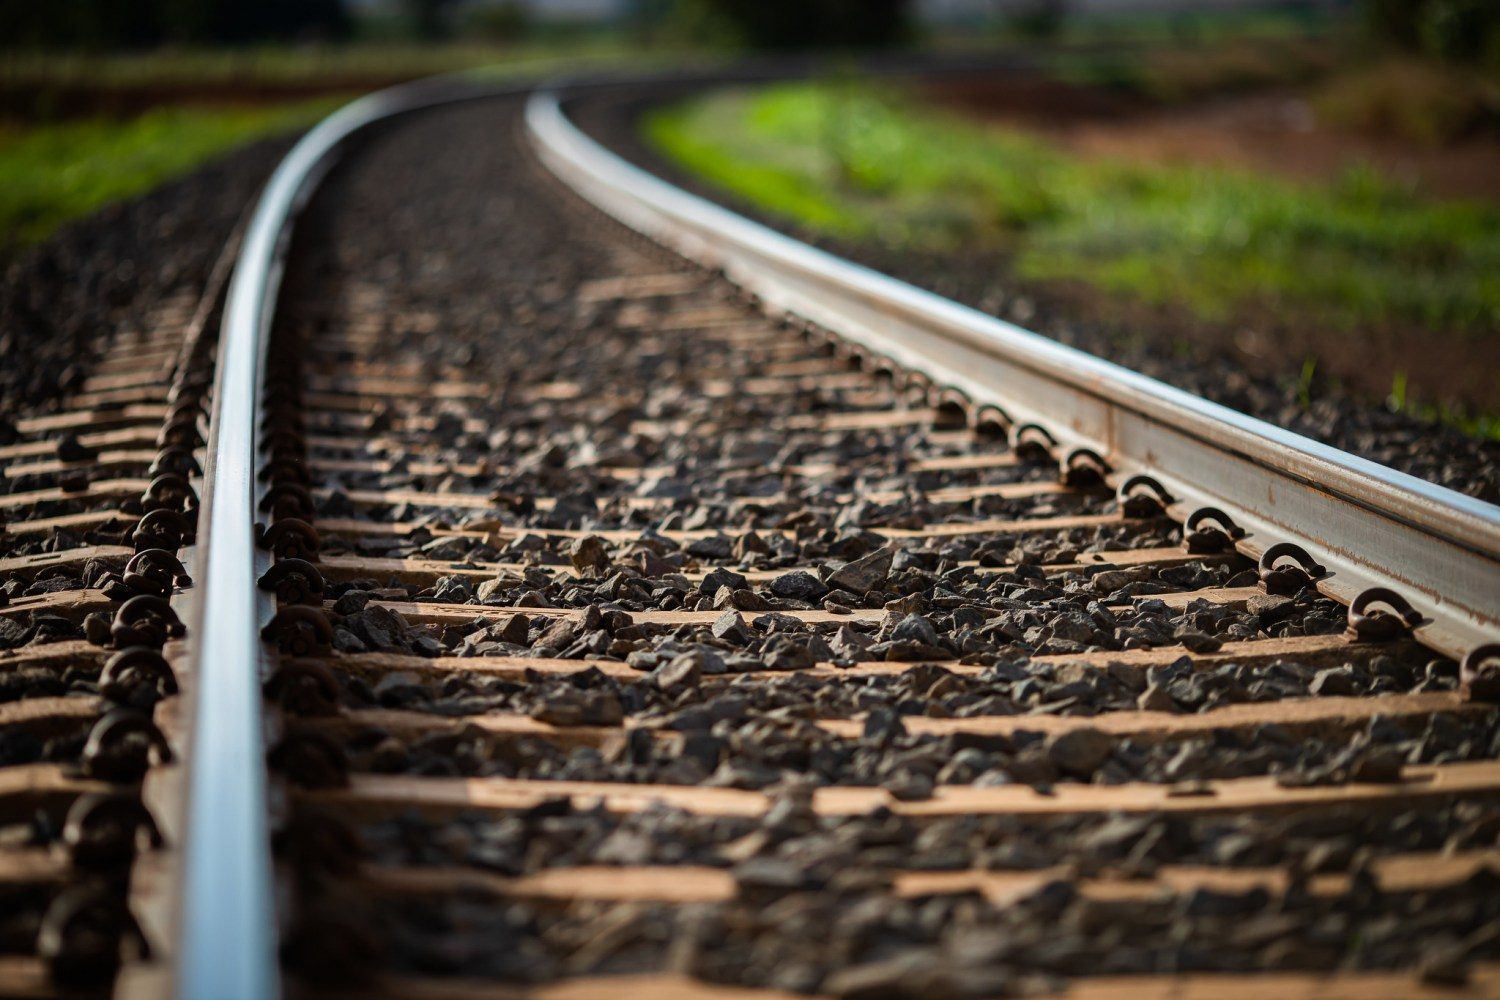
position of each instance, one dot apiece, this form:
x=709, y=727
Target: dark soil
x=1275, y=131
x=49, y=102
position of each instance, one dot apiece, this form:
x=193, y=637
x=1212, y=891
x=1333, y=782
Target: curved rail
x=228, y=946
x=225, y=911
x=1369, y=525
x=1435, y=545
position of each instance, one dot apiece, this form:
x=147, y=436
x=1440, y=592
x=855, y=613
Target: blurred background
x=1310, y=187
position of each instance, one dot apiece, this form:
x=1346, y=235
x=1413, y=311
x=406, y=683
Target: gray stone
x=1269, y=607
x=1333, y=682
x=866, y=573
x=589, y=553
x=490, y=589
x=731, y=627
x=915, y=628
x=1079, y=752
x=1112, y=580
x=1197, y=642
x=798, y=585
x=681, y=672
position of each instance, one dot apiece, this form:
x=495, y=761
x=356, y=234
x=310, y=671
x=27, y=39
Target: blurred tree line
x=780, y=24
x=770, y=24
x=1450, y=30
x=1456, y=31
x=142, y=23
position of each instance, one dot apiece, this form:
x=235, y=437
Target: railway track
x=566, y=616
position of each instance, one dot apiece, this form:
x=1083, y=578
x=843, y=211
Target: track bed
x=99, y=520
x=622, y=639
x=668, y=641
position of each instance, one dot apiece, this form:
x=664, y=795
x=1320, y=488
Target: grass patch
x=88, y=129
x=857, y=161
x=52, y=173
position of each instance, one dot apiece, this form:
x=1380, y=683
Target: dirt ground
x=1275, y=132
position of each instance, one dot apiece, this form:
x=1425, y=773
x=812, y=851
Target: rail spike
x=953, y=406
x=122, y=746
x=1034, y=443
x=1276, y=577
x=294, y=581
x=1142, y=497
x=1369, y=622
x=992, y=421
x=1084, y=468
x=145, y=620
x=137, y=676
x=1480, y=673
x=304, y=687
x=86, y=934
x=160, y=529
x=155, y=571
x=103, y=830
x=1210, y=531
x=300, y=630
x=291, y=538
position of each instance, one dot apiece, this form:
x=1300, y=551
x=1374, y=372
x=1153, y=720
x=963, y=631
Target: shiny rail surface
x=229, y=937
x=1368, y=525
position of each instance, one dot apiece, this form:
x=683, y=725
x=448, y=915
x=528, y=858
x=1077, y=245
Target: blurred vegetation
x=1034, y=19
x=54, y=173
x=1354, y=75
x=775, y=24
x=761, y=24
x=103, y=99
x=86, y=130
x=858, y=161
x=1454, y=31
x=1418, y=100
x=429, y=19
x=1169, y=73
x=788, y=24
x=1069, y=24
x=101, y=24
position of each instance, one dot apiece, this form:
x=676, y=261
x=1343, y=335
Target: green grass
x=855, y=161
x=52, y=173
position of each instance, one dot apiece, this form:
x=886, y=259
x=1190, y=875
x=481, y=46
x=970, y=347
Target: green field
x=199, y=104
x=860, y=162
x=52, y=173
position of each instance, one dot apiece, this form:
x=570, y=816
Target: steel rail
x=225, y=911
x=1435, y=545
x=1368, y=524
x=228, y=946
